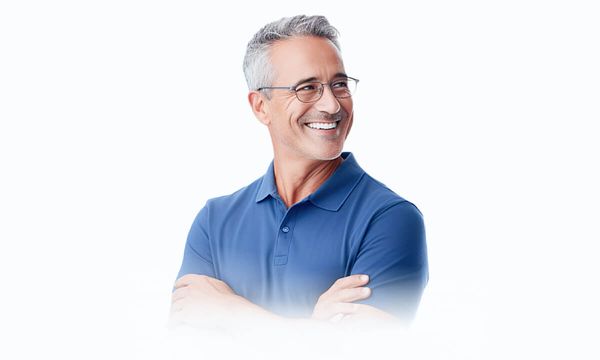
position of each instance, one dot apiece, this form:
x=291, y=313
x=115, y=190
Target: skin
x=303, y=160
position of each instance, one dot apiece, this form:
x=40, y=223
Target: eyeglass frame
x=293, y=88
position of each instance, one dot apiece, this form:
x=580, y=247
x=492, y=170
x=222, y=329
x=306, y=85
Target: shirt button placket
x=284, y=238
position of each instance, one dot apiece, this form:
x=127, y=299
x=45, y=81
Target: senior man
x=315, y=237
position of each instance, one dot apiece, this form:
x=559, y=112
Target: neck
x=298, y=178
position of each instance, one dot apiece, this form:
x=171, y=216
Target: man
x=315, y=237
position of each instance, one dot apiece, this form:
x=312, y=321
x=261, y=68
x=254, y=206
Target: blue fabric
x=284, y=259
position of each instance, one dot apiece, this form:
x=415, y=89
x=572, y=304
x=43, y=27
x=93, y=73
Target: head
x=290, y=52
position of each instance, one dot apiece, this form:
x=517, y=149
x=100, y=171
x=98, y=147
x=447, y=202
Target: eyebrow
x=338, y=75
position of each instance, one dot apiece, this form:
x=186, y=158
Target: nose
x=328, y=102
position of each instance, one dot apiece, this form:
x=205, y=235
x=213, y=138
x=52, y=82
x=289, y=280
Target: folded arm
x=204, y=301
x=392, y=254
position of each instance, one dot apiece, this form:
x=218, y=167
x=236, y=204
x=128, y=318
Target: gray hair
x=257, y=65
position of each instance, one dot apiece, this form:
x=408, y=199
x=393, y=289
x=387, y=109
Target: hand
x=336, y=302
x=204, y=300
x=367, y=314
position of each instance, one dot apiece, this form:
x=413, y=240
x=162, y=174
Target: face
x=288, y=119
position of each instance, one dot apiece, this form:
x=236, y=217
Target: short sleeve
x=393, y=253
x=197, y=257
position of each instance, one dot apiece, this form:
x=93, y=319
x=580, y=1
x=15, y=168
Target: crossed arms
x=199, y=300
x=392, y=262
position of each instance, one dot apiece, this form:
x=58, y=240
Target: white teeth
x=322, y=126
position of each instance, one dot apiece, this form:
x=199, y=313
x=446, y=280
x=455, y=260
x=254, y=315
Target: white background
x=119, y=119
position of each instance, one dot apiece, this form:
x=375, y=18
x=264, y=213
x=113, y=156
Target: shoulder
x=395, y=226
x=381, y=200
x=244, y=194
x=238, y=199
x=218, y=209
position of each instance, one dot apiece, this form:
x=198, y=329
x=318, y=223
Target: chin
x=329, y=155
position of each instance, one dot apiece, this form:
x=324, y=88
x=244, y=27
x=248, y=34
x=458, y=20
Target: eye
x=308, y=87
x=340, y=84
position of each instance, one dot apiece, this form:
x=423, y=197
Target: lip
x=322, y=122
x=324, y=131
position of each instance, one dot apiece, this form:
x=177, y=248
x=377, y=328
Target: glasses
x=311, y=91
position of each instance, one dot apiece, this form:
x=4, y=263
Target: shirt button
x=285, y=229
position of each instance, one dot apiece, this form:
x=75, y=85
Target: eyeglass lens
x=312, y=91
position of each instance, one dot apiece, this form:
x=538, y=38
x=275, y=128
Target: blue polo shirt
x=283, y=259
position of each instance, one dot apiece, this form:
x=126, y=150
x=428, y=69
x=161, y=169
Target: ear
x=260, y=107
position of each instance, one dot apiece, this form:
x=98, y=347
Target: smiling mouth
x=323, y=125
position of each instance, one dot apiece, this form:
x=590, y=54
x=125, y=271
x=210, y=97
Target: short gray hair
x=257, y=65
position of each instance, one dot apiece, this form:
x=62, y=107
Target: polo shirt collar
x=267, y=185
x=332, y=193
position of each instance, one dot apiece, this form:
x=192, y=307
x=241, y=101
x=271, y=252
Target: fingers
x=177, y=306
x=370, y=313
x=349, y=295
x=343, y=308
x=178, y=298
x=179, y=294
x=339, y=298
x=348, y=289
x=350, y=281
x=342, y=311
x=187, y=279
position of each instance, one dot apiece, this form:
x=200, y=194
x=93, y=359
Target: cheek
x=350, y=111
x=289, y=110
x=295, y=113
x=348, y=105
x=349, y=126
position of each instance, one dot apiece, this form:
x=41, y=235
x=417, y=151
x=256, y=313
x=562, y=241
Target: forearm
x=205, y=302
